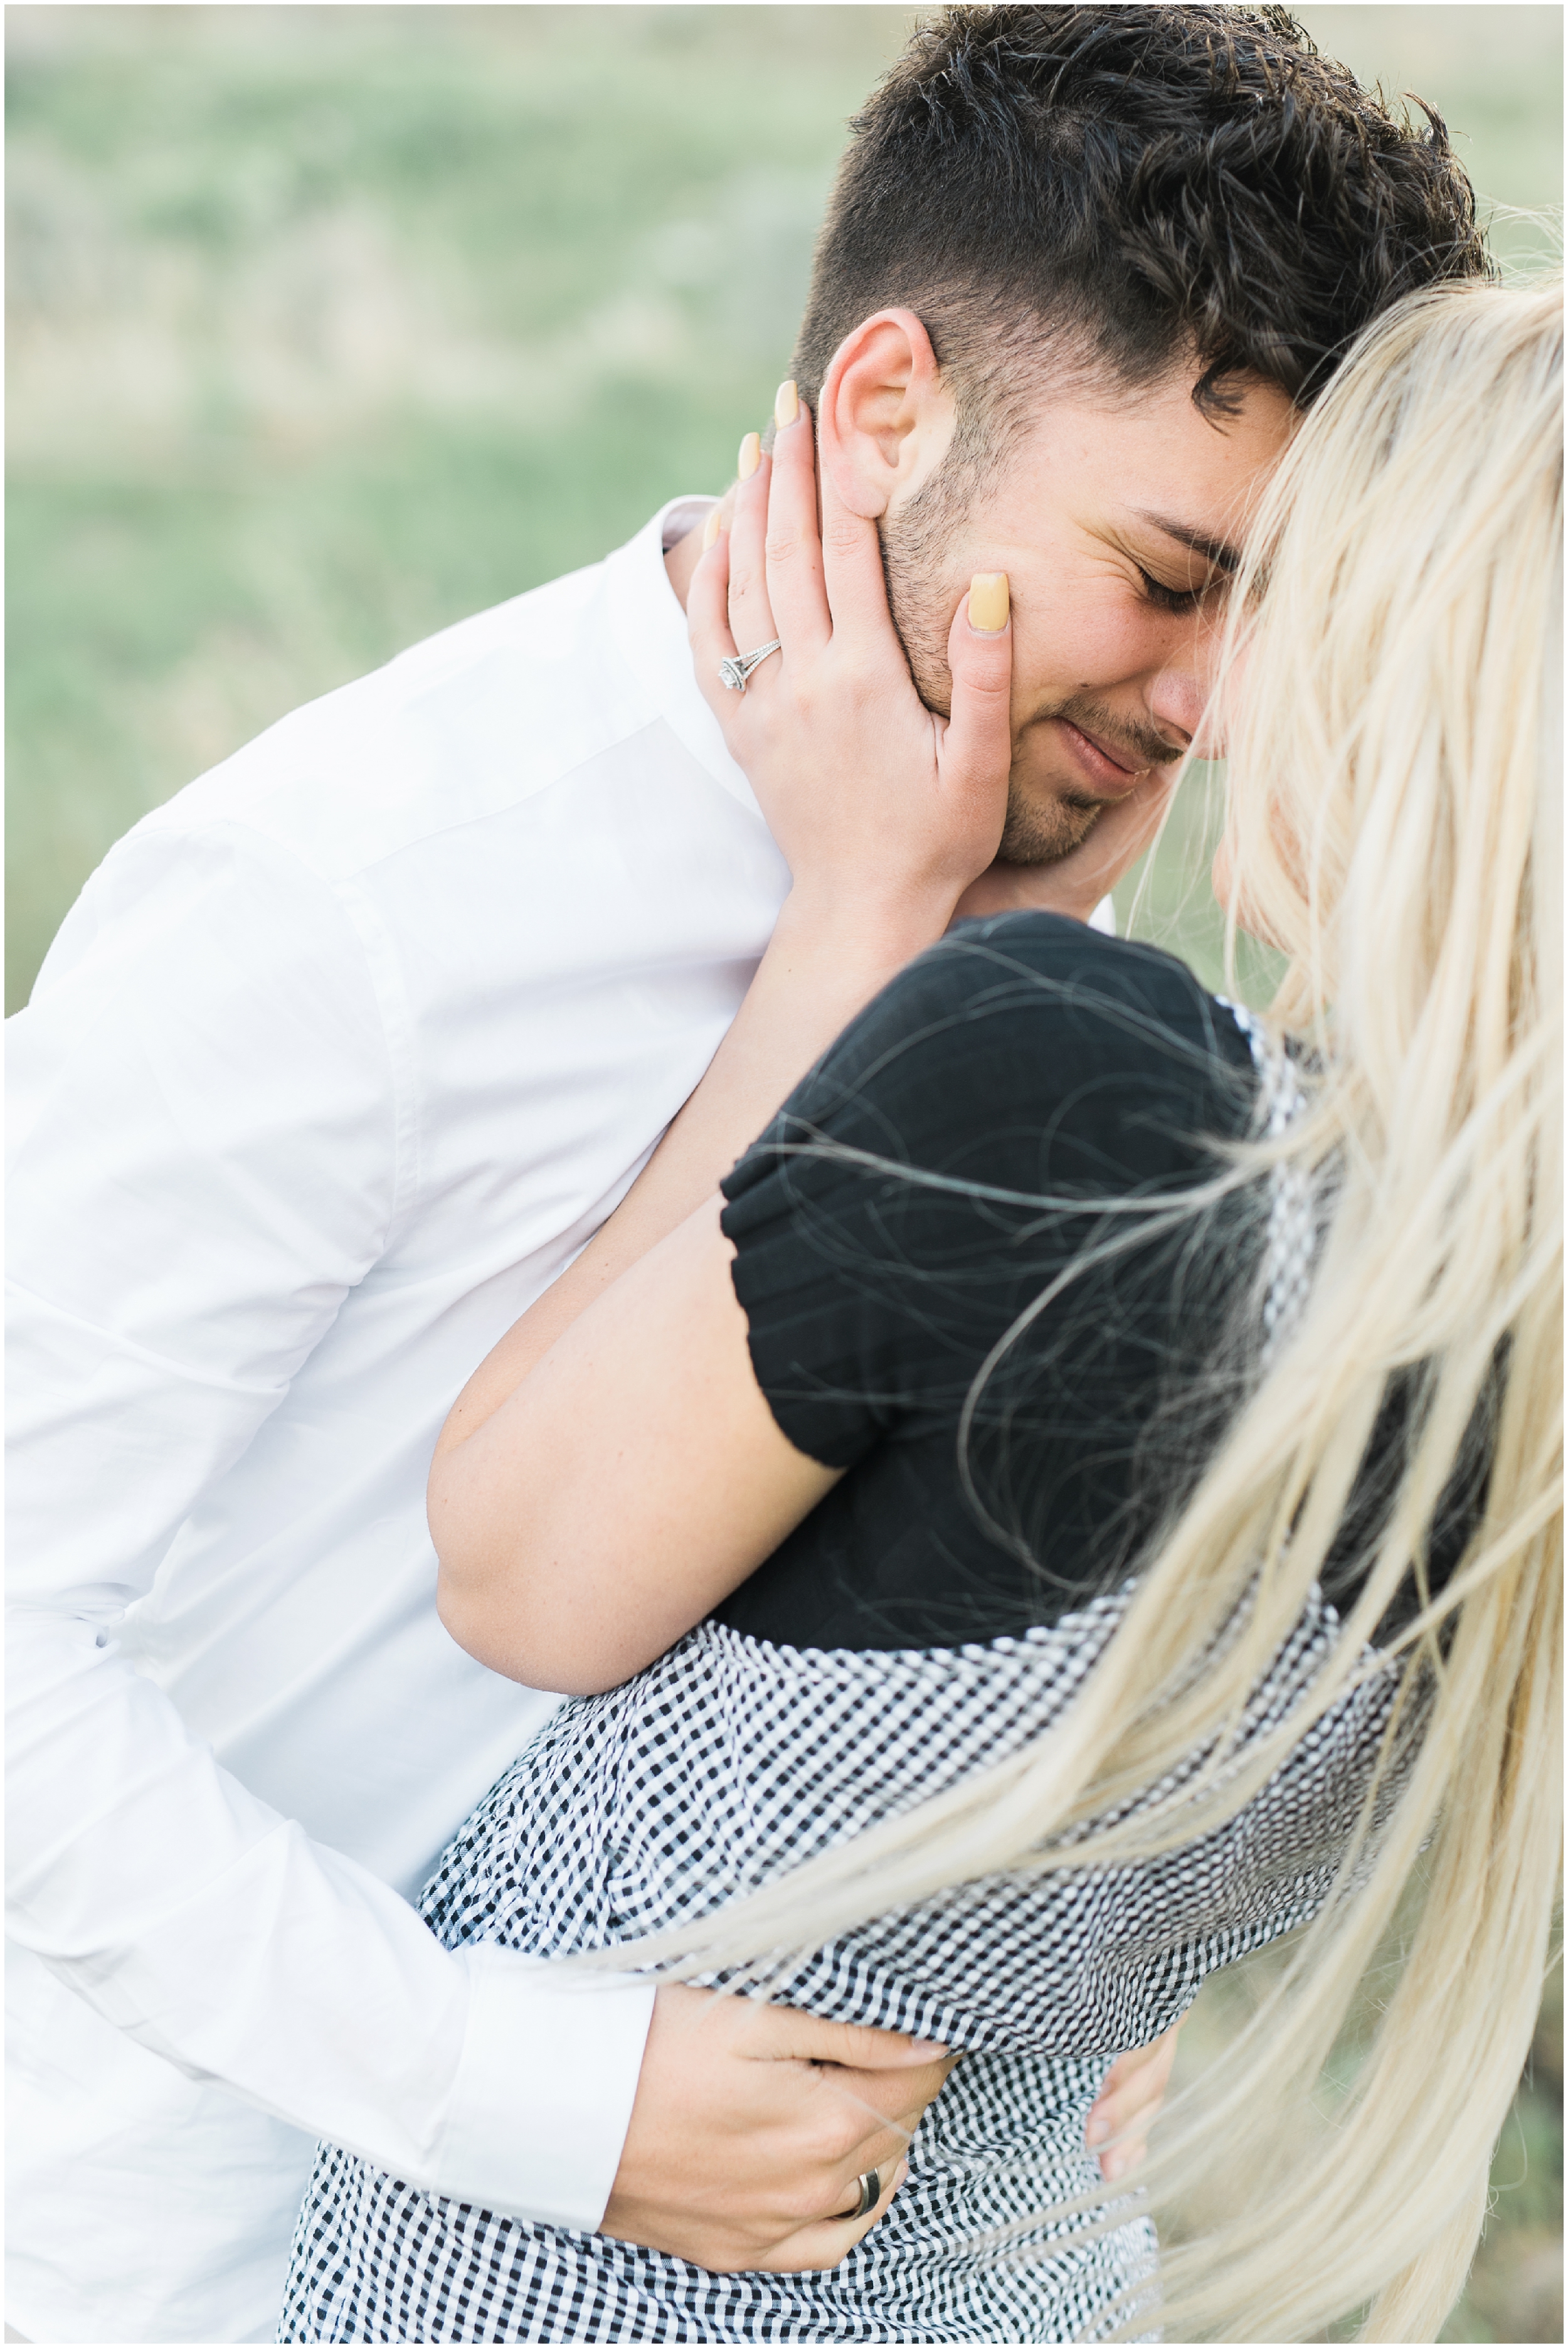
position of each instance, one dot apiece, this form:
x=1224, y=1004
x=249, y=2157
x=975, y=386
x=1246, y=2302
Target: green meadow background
x=330, y=326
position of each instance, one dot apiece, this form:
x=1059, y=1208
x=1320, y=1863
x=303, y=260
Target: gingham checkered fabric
x=729, y=1761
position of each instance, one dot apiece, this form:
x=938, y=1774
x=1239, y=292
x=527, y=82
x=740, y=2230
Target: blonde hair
x=1394, y=829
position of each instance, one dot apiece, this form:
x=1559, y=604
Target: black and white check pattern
x=729, y=1761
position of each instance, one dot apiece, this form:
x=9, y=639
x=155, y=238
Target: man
x=343, y=1056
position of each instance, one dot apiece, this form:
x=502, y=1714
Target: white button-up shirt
x=338, y=1060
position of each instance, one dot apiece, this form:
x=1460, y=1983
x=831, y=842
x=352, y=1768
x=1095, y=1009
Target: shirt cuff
x=544, y=2090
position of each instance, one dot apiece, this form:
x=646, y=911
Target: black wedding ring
x=870, y=2194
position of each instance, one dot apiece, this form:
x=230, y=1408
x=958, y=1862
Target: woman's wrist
x=859, y=931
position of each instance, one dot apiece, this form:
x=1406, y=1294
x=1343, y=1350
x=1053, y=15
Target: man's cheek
x=1075, y=645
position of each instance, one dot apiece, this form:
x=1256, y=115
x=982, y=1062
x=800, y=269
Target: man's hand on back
x=1129, y=2103
x=753, y=2123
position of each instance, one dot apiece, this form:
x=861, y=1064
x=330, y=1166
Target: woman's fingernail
x=928, y=2049
x=786, y=405
x=1097, y=2131
x=1114, y=2164
x=711, y=529
x=751, y=456
x=988, y=603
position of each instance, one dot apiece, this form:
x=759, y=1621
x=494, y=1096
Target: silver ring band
x=870, y=2194
x=735, y=673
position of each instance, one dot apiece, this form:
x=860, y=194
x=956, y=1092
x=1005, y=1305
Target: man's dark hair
x=1142, y=185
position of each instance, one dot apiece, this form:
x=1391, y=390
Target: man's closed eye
x=1175, y=598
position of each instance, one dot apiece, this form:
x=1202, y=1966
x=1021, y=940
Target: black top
x=1046, y=1076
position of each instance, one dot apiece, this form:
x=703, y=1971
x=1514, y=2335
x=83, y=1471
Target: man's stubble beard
x=1041, y=827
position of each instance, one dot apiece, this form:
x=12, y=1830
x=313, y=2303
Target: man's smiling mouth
x=1105, y=767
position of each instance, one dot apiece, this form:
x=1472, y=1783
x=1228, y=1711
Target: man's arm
x=204, y=1164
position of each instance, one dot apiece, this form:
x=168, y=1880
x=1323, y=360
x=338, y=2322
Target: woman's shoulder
x=1059, y=1005
x=1028, y=959
x=1024, y=1053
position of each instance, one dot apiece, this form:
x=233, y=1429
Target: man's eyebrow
x=1217, y=550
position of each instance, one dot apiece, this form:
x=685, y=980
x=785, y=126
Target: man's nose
x=1178, y=704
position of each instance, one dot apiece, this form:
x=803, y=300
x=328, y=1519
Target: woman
x=1087, y=1504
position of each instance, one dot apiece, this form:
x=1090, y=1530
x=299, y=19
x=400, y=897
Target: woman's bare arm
x=630, y=1481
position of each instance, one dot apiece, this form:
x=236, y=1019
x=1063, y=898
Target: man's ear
x=885, y=417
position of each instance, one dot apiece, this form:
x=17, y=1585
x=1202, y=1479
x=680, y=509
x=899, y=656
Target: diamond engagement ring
x=735, y=673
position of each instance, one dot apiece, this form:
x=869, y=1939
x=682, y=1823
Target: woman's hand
x=885, y=811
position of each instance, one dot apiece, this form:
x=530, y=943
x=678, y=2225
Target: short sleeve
x=959, y=1145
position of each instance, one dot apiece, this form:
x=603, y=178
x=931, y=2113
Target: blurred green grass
x=328, y=325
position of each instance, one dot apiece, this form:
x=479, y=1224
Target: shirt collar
x=650, y=636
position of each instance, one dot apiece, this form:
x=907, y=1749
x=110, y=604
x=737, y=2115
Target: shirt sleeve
x=982, y=1124
x=208, y=1148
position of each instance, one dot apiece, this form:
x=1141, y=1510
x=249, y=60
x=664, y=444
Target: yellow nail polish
x=751, y=456
x=710, y=530
x=786, y=405
x=989, y=602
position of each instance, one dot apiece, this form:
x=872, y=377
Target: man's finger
x=862, y=2118
x=1137, y=2080
x=1133, y=2069
x=826, y=2244
x=784, y=2033
x=1129, y=2102
x=795, y=588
